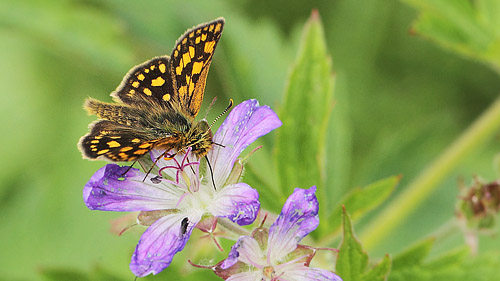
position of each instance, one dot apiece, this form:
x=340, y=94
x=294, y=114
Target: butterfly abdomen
x=121, y=114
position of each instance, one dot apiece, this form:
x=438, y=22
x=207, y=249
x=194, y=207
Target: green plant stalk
x=422, y=186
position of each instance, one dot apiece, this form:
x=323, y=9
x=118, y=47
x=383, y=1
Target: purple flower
x=275, y=254
x=176, y=199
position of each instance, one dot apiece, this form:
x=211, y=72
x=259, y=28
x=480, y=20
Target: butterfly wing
x=190, y=61
x=176, y=82
x=116, y=142
x=149, y=84
x=161, y=89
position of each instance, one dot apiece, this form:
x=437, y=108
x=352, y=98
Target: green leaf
x=414, y=255
x=361, y=200
x=470, y=28
x=380, y=271
x=339, y=145
x=352, y=260
x=453, y=257
x=456, y=264
x=300, y=147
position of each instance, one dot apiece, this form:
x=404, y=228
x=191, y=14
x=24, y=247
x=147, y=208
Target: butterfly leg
x=164, y=154
x=211, y=172
x=130, y=167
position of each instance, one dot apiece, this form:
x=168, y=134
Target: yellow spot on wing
x=112, y=144
x=141, y=77
x=147, y=91
x=94, y=141
x=186, y=58
x=100, y=152
x=191, y=88
x=197, y=65
x=197, y=40
x=166, y=97
x=126, y=148
x=211, y=28
x=146, y=70
x=178, y=70
x=162, y=68
x=135, y=84
x=136, y=140
x=191, y=51
x=191, y=35
x=209, y=46
x=153, y=67
x=218, y=27
x=123, y=155
x=145, y=145
x=140, y=151
x=176, y=53
x=158, y=82
x=203, y=37
x=184, y=41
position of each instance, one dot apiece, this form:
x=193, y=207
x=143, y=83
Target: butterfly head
x=199, y=138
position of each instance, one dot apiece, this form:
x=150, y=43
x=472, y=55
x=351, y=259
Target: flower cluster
x=275, y=254
x=183, y=191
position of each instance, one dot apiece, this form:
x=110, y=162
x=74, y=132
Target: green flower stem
x=421, y=187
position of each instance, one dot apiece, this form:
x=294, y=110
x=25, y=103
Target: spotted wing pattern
x=148, y=84
x=190, y=61
x=115, y=142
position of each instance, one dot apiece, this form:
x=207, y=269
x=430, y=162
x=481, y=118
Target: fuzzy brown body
x=156, y=103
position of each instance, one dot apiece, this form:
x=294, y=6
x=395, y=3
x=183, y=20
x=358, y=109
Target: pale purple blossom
x=275, y=254
x=176, y=198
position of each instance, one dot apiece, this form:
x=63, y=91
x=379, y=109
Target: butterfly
x=156, y=103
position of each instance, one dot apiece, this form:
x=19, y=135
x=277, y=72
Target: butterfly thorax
x=198, y=137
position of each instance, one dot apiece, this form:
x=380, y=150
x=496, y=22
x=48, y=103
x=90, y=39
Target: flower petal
x=299, y=272
x=239, y=202
x=159, y=243
x=246, y=250
x=247, y=122
x=110, y=189
x=246, y=276
x=298, y=218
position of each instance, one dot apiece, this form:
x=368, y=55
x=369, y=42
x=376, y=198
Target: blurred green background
x=402, y=100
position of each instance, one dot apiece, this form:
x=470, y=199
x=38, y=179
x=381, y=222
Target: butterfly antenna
x=211, y=172
x=223, y=112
